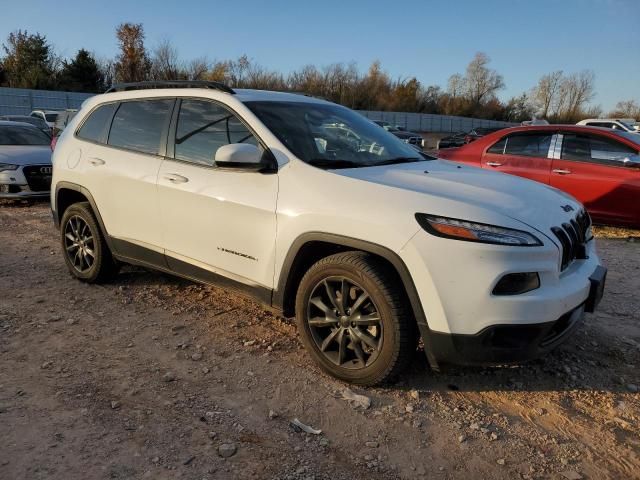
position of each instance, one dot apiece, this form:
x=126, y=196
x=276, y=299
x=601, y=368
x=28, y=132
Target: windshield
x=627, y=125
x=51, y=117
x=37, y=122
x=330, y=136
x=634, y=137
x=13, y=135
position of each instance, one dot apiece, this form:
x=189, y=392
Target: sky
x=427, y=39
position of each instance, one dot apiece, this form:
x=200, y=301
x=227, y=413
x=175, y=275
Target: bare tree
x=132, y=65
x=626, y=109
x=165, y=63
x=480, y=81
x=455, y=85
x=237, y=71
x=544, y=94
x=308, y=80
x=108, y=69
x=219, y=72
x=197, y=68
x=578, y=89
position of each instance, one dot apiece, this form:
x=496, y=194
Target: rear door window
x=595, y=149
x=96, y=125
x=139, y=125
x=529, y=144
x=498, y=147
x=203, y=127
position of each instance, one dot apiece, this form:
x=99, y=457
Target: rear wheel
x=353, y=320
x=85, y=250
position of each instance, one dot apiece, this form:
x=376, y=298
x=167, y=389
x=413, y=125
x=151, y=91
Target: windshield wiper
x=328, y=163
x=393, y=161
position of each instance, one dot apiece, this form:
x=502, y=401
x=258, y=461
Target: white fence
x=429, y=122
x=21, y=101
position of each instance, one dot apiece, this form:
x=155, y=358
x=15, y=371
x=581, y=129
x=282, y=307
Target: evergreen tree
x=29, y=61
x=81, y=74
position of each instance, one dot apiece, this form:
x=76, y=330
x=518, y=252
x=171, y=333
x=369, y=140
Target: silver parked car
x=25, y=161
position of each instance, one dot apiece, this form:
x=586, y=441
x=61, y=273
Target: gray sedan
x=25, y=161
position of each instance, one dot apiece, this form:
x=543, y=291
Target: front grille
x=38, y=177
x=573, y=238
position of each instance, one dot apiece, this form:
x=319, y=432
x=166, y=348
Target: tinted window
x=27, y=135
x=138, y=125
x=203, y=127
x=529, y=145
x=591, y=148
x=498, y=147
x=95, y=127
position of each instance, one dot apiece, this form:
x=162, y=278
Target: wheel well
x=67, y=197
x=309, y=254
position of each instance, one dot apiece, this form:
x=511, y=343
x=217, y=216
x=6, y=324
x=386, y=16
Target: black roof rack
x=123, y=87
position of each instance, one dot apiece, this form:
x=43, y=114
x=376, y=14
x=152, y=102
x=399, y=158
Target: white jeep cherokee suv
x=315, y=211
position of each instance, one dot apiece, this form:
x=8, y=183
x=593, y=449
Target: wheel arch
x=66, y=194
x=311, y=247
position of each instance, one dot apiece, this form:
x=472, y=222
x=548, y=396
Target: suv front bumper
x=499, y=344
x=468, y=324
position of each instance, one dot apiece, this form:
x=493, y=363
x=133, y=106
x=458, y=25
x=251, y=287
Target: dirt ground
x=156, y=377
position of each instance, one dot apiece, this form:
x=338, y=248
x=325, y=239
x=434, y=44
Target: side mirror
x=632, y=161
x=240, y=156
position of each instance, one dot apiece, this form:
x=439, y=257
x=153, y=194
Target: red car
x=598, y=166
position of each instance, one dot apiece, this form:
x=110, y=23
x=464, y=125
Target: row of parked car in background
x=597, y=161
x=26, y=143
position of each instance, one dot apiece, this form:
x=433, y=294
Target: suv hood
x=25, y=154
x=534, y=204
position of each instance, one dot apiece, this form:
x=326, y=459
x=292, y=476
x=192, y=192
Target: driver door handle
x=96, y=162
x=494, y=164
x=175, y=178
x=561, y=171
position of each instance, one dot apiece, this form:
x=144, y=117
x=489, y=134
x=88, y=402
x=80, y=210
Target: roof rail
x=123, y=87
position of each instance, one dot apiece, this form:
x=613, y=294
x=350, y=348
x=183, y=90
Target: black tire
x=89, y=260
x=390, y=342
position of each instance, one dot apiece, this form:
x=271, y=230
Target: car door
x=591, y=167
x=523, y=153
x=121, y=169
x=215, y=220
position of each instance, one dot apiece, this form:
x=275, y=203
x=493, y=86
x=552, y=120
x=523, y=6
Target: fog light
x=4, y=188
x=517, y=283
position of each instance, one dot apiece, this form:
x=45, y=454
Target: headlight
x=475, y=232
x=7, y=166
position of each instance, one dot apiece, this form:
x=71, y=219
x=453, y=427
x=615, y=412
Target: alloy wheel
x=79, y=243
x=345, y=323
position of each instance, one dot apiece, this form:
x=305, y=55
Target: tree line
x=30, y=61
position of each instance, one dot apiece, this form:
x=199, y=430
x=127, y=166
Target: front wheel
x=84, y=247
x=354, y=320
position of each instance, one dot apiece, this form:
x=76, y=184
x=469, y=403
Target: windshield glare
x=10, y=135
x=331, y=136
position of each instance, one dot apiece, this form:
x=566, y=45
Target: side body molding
x=271, y=298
